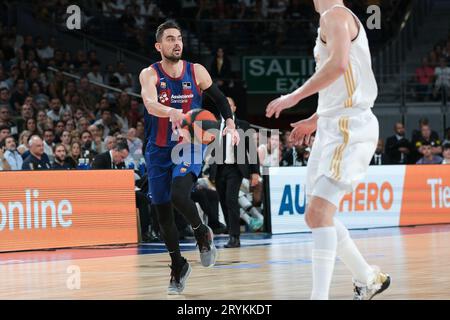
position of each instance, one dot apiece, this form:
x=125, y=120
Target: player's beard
x=172, y=57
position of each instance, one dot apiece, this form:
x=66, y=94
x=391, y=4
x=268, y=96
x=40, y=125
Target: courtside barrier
x=389, y=196
x=57, y=209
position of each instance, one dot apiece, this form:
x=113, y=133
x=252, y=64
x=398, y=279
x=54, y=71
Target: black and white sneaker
x=367, y=292
x=178, y=278
x=208, y=251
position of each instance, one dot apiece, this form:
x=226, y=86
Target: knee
x=180, y=197
x=315, y=218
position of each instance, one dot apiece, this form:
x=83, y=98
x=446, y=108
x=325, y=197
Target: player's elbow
x=340, y=67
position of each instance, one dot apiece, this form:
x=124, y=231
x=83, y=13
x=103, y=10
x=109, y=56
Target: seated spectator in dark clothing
x=398, y=148
x=87, y=151
x=61, y=162
x=37, y=160
x=417, y=133
x=428, y=157
x=114, y=158
x=428, y=138
x=379, y=158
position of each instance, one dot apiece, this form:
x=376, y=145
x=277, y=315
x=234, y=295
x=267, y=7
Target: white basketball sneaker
x=366, y=292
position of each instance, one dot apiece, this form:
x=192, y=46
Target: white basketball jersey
x=356, y=90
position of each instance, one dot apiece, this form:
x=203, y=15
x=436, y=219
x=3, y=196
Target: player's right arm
x=149, y=79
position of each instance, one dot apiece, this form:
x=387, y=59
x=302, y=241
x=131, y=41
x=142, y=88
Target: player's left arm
x=206, y=84
x=335, y=25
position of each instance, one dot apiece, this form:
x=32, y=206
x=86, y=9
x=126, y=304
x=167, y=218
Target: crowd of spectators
x=424, y=147
x=432, y=78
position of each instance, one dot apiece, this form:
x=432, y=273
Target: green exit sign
x=276, y=75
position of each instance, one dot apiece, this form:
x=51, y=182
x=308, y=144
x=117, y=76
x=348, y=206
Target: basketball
x=198, y=122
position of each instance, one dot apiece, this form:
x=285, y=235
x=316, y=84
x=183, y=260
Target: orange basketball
x=200, y=124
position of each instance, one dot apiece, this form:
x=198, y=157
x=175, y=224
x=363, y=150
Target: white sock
x=350, y=255
x=323, y=258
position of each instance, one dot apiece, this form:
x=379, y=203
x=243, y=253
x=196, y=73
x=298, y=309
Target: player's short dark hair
x=446, y=146
x=169, y=24
x=121, y=145
x=426, y=143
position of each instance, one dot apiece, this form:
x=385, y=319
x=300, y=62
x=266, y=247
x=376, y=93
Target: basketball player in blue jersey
x=171, y=88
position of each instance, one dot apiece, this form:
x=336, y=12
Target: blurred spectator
x=97, y=142
x=446, y=153
x=87, y=96
x=430, y=137
x=95, y=75
x=49, y=144
x=379, y=158
x=66, y=140
x=220, y=69
x=113, y=158
x=70, y=125
x=424, y=80
x=4, y=164
x=13, y=157
x=59, y=129
x=41, y=120
x=74, y=154
x=44, y=52
x=82, y=124
x=398, y=148
x=428, y=157
x=269, y=154
x=23, y=142
x=4, y=132
x=6, y=120
x=31, y=126
x=37, y=160
x=19, y=95
x=61, y=162
x=107, y=121
x=125, y=78
x=5, y=99
x=110, y=142
x=134, y=143
x=133, y=114
x=442, y=84
x=87, y=149
x=140, y=130
x=56, y=109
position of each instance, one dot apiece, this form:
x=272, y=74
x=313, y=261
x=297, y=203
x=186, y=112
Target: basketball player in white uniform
x=346, y=138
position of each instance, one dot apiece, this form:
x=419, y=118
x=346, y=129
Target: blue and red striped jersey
x=180, y=93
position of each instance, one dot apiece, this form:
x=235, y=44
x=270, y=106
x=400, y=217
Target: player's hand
x=176, y=117
x=301, y=134
x=254, y=180
x=231, y=128
x=276, y=106
x=184, y=133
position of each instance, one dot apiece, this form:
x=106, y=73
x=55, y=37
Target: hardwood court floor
x=277, y=267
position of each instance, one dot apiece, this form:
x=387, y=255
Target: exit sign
x=276, y=75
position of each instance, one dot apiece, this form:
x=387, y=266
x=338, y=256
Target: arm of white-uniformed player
x=148, y=79
x=335, y=25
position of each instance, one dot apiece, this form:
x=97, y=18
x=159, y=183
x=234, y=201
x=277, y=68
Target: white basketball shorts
x=341, y=153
